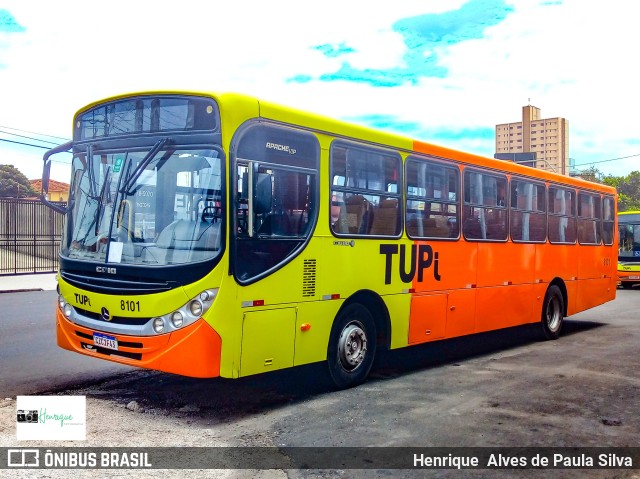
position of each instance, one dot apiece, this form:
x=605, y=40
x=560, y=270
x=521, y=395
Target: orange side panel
x=192, y=351
x=461, y=312
x=428, y=318
x=503, y=306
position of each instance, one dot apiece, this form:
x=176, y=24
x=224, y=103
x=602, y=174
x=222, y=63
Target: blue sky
x=445, y=71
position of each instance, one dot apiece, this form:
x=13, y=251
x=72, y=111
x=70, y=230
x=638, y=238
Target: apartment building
x=546, y=138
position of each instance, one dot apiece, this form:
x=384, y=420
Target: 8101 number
x=129, y=305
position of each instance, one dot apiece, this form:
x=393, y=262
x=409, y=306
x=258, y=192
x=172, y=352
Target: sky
x=442, y=71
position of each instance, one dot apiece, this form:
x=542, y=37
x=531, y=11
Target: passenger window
x=432, y=209
x=589, y=215
x=562, y=215
x=364, y=191
x=485, y=206
x=608, y=220
x=528, y=212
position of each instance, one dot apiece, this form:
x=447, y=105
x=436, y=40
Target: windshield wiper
x=106, y=187
x=143, y=164
x=92, y=175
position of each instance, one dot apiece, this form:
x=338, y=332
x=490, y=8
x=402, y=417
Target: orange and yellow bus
x=629, y=248
x=221, y=235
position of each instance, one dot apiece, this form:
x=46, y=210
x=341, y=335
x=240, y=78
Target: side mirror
x=46, y=171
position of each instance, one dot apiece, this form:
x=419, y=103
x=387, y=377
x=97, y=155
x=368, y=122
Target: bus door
x=274, y=186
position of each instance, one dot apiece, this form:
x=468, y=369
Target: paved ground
x=495, y=389
x=28, y=282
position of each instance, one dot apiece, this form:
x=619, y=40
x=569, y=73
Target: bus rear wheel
x=352, y=346
x=552, y=313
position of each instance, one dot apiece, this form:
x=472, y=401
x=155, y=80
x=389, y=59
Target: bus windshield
x=629, y=228
x=158, y=206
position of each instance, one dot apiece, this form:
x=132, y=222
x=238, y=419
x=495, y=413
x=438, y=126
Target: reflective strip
x=330, y=296
x=249, y=304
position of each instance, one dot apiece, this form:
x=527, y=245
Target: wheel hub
x=553, y=314
x=352, y=346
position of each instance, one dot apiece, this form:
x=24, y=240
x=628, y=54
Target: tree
x=628, y=190
x=13, y=184
x=591, y=174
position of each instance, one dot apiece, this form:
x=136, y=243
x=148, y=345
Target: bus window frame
x=521, y=179
x=597, y=220
x=465, y=205
x=612, y=221
x=447, y=165
x=355, y=191
x=557, y=186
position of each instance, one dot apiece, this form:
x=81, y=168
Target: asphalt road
x=30, y=360
x=504, y=388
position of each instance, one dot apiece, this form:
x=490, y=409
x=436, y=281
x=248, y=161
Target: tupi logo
x=422, y=257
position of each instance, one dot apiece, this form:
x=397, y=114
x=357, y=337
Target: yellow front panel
x=267, y=340
x=313, y=327
x=133, y=306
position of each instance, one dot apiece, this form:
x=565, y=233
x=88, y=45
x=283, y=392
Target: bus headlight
x=61, y=302
x=208, y=295
x=195, y=307
x=177, y=319
x=67, y=310
x=158, y=325
x=187, y=314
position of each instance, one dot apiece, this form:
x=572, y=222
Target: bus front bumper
x=192, y=351
x=629, y=276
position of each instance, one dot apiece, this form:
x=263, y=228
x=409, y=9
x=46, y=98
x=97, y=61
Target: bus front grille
x=100, y=284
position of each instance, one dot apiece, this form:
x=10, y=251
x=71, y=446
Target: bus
x=220, y=235
x=629, y=248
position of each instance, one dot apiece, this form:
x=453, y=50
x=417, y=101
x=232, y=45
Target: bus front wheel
x=552, y=312
x=352, y=346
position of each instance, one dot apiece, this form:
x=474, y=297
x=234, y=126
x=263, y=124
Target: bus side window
x=364, y=197
x=528, y=211
x=562, y=220
x=608, y=220
x=432, y=209
x=589, y=214
x=485, y=212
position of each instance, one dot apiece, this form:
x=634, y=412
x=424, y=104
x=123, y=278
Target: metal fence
x=29, y=237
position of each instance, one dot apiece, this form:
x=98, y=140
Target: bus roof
x=338, y=128
x=629, y=217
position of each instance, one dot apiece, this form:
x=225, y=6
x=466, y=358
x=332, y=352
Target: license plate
x=105, y=341
x=633, y=277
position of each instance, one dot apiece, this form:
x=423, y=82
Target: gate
x=29, y=237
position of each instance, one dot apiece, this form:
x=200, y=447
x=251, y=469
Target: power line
x=606, y=161
x=25, y=144
x=34, y=133
x=35, y=146
x=32, y=145
x=29, y=137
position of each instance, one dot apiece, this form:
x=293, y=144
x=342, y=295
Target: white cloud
x=572, y=59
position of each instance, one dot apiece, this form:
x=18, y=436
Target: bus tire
x=552, y=312
x=352, y=346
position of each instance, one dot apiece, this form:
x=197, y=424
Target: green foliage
x=14, y=184
x=591, y=174
x=628, y=190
